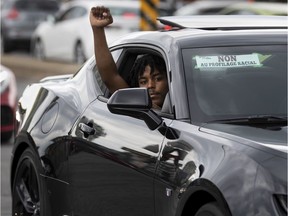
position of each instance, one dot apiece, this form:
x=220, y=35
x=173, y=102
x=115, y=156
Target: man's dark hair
x=154, y=61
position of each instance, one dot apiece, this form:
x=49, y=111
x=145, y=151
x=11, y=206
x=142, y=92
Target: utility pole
x=149, y=14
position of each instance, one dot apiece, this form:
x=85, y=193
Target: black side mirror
x=136, y=103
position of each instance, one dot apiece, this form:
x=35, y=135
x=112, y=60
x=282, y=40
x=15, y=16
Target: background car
x=8, y=102
x=217, y=147
x=256, y=8
x=202, y=7
x=19, y=18
x=69, y=37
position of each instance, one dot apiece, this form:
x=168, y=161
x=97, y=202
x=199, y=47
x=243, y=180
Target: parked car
x=68, y=36
x=256, y=8
x=8, y=103
x=218, y=147
x=19, y=18
x=203, y=7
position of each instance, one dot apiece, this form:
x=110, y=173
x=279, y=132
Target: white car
x=203, y=7
x=68, y=35
x=256, y=8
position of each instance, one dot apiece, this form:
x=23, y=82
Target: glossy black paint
x=94, y=162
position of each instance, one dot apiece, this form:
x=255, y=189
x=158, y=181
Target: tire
x=38, y=50
x=26, y=189
x=6, y=46
x=6, y=136
x=211, y=209
x=79, y=56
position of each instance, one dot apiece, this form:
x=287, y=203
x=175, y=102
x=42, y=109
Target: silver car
x=19, y=18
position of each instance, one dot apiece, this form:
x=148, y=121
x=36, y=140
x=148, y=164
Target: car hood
x=264, y=138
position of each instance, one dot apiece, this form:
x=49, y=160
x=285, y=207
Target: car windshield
x=236, y=82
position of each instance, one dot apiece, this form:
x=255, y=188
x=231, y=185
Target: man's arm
x=100, y=17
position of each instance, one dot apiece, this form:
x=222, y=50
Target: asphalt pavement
x=26, y=66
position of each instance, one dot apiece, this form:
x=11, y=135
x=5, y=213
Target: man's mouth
x=153, y=95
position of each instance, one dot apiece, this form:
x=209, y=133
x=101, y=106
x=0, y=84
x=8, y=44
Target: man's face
x=157, y=85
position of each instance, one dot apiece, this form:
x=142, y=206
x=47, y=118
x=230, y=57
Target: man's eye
x=142, y=82
x=159, y=78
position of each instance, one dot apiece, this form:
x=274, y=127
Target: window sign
x=224, y=61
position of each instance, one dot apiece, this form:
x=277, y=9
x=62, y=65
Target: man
x=150, y=69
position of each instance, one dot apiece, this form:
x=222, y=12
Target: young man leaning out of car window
x=149, y=69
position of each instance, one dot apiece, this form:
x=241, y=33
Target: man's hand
x=100, y=17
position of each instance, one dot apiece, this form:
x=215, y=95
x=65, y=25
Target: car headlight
x=281, y=202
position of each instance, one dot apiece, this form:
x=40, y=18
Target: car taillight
x=13, y=14
x=167, y=27
x=129, y=15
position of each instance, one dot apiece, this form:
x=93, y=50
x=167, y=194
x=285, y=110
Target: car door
x=112, y=161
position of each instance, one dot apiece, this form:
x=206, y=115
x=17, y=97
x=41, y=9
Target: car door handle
x=86, y=129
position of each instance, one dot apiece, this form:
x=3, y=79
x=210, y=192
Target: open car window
x=125, y=60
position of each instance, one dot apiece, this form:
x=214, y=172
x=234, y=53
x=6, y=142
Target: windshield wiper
x=255, y=119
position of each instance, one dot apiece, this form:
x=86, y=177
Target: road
x=27, y=70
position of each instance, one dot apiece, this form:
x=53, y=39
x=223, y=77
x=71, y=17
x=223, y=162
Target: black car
x=217, y=147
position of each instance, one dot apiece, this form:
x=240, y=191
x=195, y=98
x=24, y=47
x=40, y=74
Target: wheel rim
x=79, y=54
x=39, y=50
x=26, y=199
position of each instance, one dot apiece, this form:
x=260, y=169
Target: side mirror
x=136, y=103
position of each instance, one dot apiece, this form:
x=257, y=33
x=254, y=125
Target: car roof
x=212, y=32
x=223, y=21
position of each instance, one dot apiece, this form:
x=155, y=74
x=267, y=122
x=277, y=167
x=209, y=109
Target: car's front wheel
x=79, y=55
x=38, y=50
x=211, y=209
x=6, y=46
x=26, y=186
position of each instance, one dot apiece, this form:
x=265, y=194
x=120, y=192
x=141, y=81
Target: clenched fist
x=100, y=17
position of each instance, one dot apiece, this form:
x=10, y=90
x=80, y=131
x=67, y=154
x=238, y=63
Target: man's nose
x=151, y=83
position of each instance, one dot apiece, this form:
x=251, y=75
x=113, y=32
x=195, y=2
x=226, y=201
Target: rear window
x=37, y=5
x=124, y=11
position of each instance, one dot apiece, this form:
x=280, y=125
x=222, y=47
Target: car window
x=74, y=12
x=125, y=67
x=236, y=81
x=124, y=11
x=125, y=60
x=241, y=12
x=36, y=5
x=102, y=86
x=99, y=81
x=6, y=5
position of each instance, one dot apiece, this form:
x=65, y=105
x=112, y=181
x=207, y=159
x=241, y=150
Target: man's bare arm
x=100, y=17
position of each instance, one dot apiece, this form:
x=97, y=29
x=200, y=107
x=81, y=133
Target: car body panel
x=8, y=102
x=110, y=164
